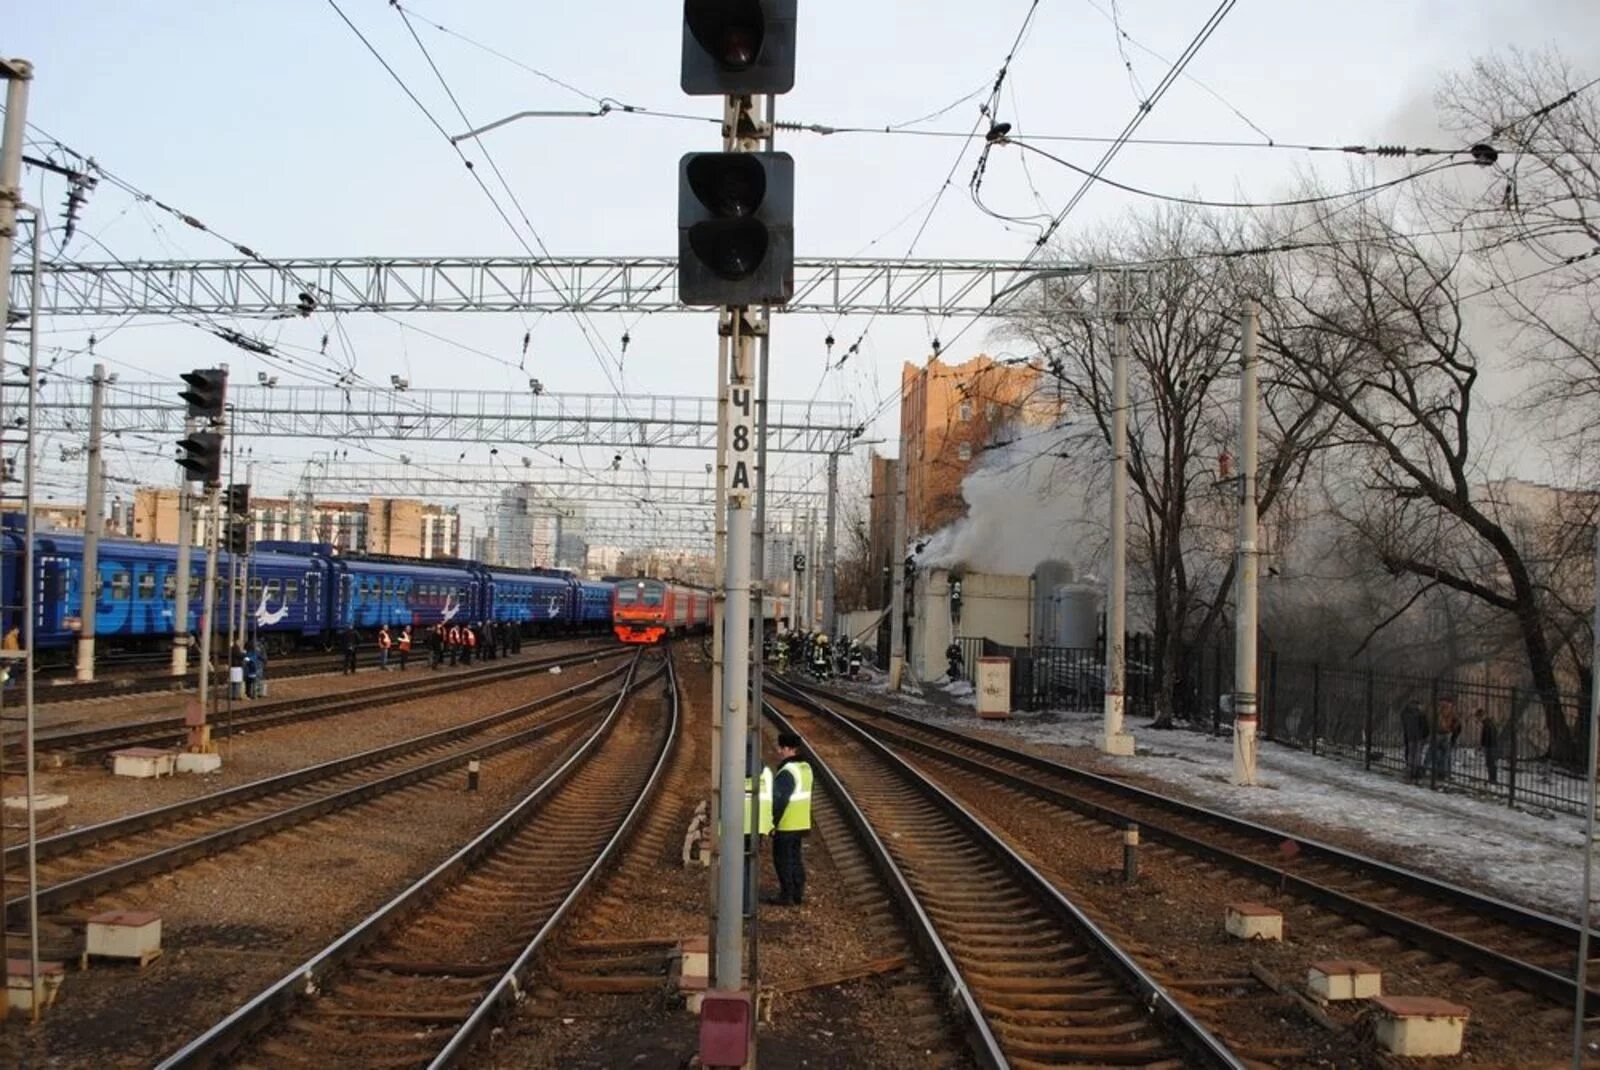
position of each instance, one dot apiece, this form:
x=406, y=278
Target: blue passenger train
x=299, y=594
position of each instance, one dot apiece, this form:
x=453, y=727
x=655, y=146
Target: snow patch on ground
x=1530, y=857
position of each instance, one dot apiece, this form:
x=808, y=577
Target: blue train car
x=136, y=607
x=370, y=591
x=536, y=600
x=594, y=604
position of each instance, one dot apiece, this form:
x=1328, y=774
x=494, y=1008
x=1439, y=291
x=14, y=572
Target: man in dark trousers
x=791, y=819
x=350, y=643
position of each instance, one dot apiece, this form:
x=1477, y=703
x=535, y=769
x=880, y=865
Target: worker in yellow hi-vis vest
x=757, y=823
x=791, y=820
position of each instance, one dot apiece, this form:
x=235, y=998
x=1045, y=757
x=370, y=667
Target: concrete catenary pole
x=1116, y=740
x=897, y=575
x=829, y=624
x=817, y=624
x=18, y=73
x=94, y=525
x=1246, y=570
x=180, y=604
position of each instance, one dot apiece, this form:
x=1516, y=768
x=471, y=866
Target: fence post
x=1316, y=704
x=1510, y=752
x=1272, y=696
x=1367, y=758
x=1216, y=704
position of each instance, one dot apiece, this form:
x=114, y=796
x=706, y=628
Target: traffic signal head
x=738, y=46
x=238, y=537
x=239, y=499
x=208, y=390
x=735, y=228
x=202, y=457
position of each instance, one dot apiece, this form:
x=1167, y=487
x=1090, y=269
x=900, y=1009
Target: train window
x=255, y=591
x=169, y=587
x=626, y=595
x=272, y=591
x=120, y=586
x=654, y=595
x=147, y=586
x=291, y=592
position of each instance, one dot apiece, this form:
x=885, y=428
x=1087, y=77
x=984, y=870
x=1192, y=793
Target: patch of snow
x=1529, y=857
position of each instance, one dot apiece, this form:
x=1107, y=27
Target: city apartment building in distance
x=403, y=527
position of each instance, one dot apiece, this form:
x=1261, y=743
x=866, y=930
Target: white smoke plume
x=1025, y=505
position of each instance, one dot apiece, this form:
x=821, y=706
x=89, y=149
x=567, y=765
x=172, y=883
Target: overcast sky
x=272, y=123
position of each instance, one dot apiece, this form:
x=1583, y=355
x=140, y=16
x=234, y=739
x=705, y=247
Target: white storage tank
x=1047, y=576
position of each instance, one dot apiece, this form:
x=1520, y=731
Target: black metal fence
x=1495, y=739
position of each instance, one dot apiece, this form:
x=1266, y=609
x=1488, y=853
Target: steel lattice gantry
x=568, y=486
x=593, y=284
x=543, y=420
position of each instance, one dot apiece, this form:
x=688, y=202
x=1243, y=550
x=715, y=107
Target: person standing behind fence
x=1414, y=731
x=1446, y=727
x=1489, y=740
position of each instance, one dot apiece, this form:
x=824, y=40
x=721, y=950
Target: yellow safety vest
x=797, y=815
x=766, y=802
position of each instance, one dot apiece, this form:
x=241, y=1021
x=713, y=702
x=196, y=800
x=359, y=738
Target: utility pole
x=94, y=524
x=17, y=73
x=811, y=573
x=1247, y=570
x=897, y=575
x=796, y=574
x=828, y=545
x=1116, y=740
x=208, y=599
x=180, y=607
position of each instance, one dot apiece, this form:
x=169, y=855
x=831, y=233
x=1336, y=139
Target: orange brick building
x=950, y=415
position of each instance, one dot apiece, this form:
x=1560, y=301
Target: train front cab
x=639, y=611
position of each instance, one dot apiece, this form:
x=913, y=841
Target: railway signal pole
x=736, y=253
x=206, y=395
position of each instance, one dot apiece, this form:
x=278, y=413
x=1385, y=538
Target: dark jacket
x=1489, y=735
x=783, y=784
x=351, y=640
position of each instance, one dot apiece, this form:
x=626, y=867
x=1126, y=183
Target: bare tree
x=1183, y=341
x=1370, y=322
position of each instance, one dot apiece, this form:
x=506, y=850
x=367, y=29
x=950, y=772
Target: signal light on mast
x=202, y=457
x=207, y=392
x=735, y=228
x=738, y=46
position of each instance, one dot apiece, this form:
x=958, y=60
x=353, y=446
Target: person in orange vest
x=385, y=641
x=405, y=646
x=469, y=636
x=453, y=641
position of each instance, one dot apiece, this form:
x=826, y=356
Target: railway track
x=1525, y=949
x=86, y=862
x=421, y=981
x=90, y=745
x=1033, y=980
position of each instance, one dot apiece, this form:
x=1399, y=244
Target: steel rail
x=223, y=1038
x=67, y=842
x=1200, y=1043
x=509, y=988
x=1526, y=975
x=59, y=896
x=975, y=1025
x=96, y=742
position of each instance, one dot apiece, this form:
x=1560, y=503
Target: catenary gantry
x=371, y=413
x=594, y=284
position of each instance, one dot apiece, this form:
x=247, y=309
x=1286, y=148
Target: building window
x=964, y=451
x=964, y=411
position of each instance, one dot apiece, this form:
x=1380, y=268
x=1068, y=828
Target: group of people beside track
x=460, y=644
x=815, y=653
x=1431, y=743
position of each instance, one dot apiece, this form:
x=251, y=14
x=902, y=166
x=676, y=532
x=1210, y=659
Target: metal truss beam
x=567, y=486
x=635, y=284
x=369, y=413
